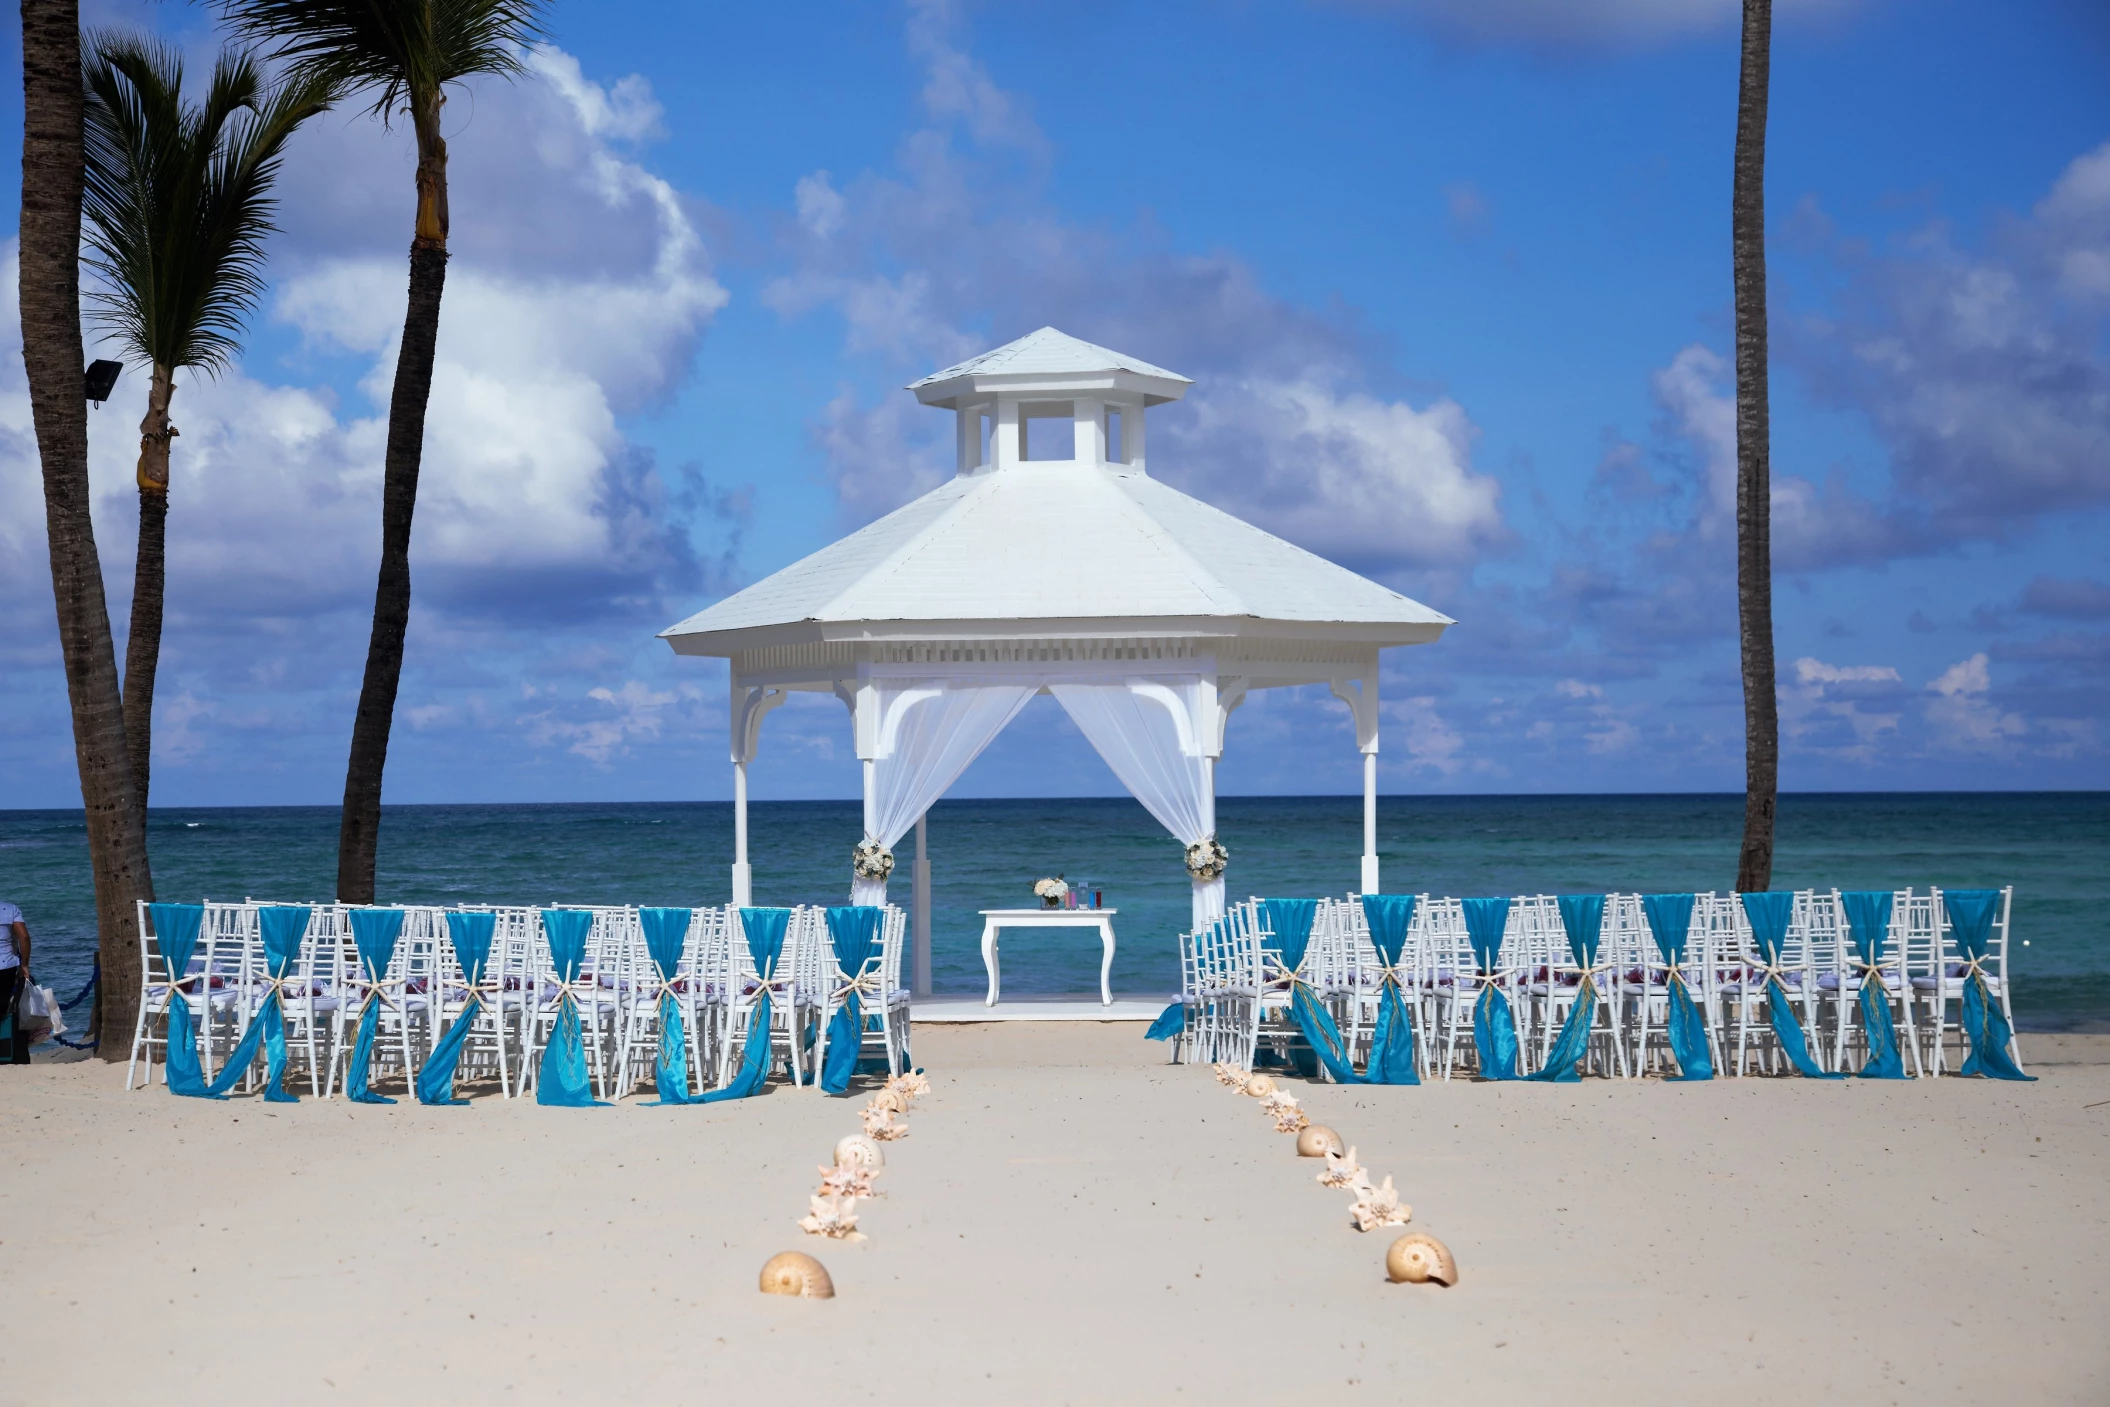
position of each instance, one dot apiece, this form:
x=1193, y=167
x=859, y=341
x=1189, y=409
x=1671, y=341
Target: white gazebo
x=1052, y=563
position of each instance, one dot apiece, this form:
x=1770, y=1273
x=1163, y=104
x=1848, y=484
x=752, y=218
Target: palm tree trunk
x=143, y=641
x=359, y=830
x=52, y=355
x=1754, y=477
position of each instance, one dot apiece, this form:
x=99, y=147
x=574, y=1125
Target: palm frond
x=394, y=52
x=176, y=202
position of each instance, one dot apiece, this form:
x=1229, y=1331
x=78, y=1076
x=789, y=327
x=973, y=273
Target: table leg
x=989, y=959
x=1106, y=963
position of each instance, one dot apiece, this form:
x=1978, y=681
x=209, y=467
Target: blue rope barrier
x=94, y=975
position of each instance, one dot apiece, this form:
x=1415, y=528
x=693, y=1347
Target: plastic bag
x=37, y=1013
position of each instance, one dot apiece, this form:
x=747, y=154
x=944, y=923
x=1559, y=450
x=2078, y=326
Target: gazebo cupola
x=1050, y=398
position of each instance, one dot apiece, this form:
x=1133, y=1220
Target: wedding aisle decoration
x=848, y=1179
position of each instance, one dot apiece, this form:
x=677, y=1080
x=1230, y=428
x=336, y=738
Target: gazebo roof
x=1057, y=549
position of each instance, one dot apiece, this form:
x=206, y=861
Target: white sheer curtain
x=1152, y=735
x=929, y=730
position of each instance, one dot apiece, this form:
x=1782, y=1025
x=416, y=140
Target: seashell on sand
x=1260, y=1086
x=1418, y=1257
x=857, y=1151
x=1316, y=1141
x=892, y=1100
x=795, y=1273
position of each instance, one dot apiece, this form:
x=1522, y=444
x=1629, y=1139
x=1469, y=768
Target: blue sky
x=1452, y=280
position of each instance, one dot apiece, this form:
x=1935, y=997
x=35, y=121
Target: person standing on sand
x=14, y=974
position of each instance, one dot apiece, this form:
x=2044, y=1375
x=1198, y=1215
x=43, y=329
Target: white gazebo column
x=920, y=950
x=1362, y=701
x=749, y=705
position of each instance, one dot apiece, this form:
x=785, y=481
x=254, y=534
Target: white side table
x=1101, y=919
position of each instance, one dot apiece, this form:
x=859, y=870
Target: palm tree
x=404, y=54
x=177, y=203
x=50, y=296
x=1754, y=475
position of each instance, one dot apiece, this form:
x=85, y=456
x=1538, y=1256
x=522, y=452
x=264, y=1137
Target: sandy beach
x=1070, y=1220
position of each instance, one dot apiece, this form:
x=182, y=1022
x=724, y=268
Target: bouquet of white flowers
x=1051, y=891
x=871, y=860
x=1207, y=857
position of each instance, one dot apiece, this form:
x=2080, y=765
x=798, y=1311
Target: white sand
x=1069, y=1221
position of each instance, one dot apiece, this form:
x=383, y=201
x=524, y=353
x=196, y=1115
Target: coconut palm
x=1754, y=477
x=177, y=202
x=404, y=55
x=52, y=353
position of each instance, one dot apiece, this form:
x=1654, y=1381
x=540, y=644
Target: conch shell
x=1317, y=1141
x=832, y=1216
x=1342, y=1170
x=1288, y=1117
x=1260, y=1086
x=1378, y=1206
x=1231, y=1076
x=857, y=1151
x=795, y=1273
x=910, y=1084
x=890, y=1099
x=1417, y=1257
x=879, y=1123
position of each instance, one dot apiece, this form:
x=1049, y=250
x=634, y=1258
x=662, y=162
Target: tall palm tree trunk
x=359, y=831
x=149, y=580
x=52, y=355
x=1754, y=478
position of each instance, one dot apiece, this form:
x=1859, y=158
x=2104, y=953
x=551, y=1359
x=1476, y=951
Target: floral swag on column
x=870, y=865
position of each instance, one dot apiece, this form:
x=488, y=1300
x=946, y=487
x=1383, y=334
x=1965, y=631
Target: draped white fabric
x=1152, y=734
x=929, y=731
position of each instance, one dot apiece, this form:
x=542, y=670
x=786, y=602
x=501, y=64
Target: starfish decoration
x=834, y=1217
x=1378, y=1206
x=1342, y=1170
x=850, y=1182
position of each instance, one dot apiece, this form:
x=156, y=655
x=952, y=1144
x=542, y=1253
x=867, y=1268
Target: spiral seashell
x=892, y=1100
x=857, y=1151
x=1260, y=1086
x=795, y=1273
x=1417, y=1257
x=1316, y=1141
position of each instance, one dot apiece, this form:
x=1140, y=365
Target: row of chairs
x=425, y=991
x=1238, y=999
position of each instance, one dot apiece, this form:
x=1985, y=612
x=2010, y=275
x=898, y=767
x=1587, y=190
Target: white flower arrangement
x=1206, y=858
x=871, y=860
x=1051, y=891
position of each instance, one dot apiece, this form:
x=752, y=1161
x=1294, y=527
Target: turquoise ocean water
x=2053, y=847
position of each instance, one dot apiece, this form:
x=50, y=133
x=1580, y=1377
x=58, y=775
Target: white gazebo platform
x=949, y=1010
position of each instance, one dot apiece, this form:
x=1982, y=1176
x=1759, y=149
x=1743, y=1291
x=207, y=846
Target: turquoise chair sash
x=1985, y=1024
x=666, y=938
x=1770, y=913
x=471, y=935
x=1669, y=922
x=1291, y=921
x=853, y=931
x=1867, y=924
x=1582, y=920
x=374, y=933
x=562, y=1079
x=281, y=927
x=1392, y=1044
x=1494, y=1028
x=176, y=930
x=764, y=930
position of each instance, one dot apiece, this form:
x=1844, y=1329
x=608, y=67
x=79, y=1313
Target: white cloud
x=1346, y=474
x=820, y=204
x=1964, y=718
x=1822, y=713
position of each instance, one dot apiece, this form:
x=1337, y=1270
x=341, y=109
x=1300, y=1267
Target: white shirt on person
x=9, y=917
